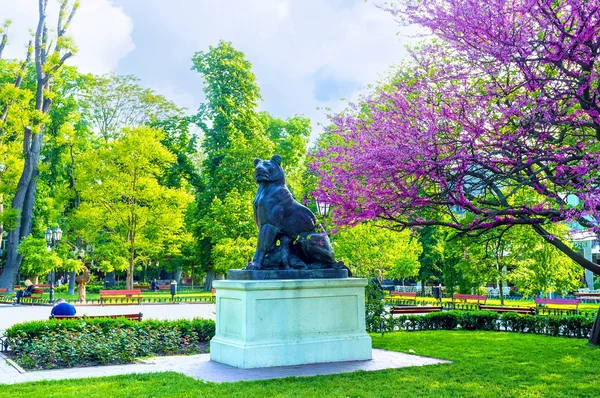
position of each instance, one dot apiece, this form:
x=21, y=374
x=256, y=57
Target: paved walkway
x=201, y=367
x=9, y=314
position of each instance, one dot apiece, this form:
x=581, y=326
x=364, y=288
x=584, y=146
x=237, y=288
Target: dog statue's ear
x=276, y=159
x=256, y=161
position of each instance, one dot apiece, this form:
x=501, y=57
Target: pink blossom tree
x=499, y=116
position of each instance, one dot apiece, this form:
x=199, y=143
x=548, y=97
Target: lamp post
x=53, y=237
x=323, y=208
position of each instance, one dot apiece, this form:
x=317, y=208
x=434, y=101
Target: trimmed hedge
x=571, y=326
x=73, y=342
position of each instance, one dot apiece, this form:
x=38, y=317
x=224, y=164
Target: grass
x=485, y=364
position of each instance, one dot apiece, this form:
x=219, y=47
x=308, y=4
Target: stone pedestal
x=266, y=323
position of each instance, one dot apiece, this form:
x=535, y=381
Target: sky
x=308, y=55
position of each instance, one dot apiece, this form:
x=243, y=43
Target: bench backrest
x=3, y=290
x=16, y=287
x=557, y=301
x=459, y=296
x=164, y=286
x=120, y=292
x=404, y=294
x=587, y=294
x=38, y=291
x=40, y=285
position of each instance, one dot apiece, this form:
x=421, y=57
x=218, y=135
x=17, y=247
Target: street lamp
x=323, y=208
x=53, y=237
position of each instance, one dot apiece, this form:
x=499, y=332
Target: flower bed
x=102, y=341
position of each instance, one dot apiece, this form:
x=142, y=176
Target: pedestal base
x=270, y=323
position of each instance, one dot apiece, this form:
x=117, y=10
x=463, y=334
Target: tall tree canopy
x=49, y=56
x=235, y=133
x=498, y=117
x=124, y=207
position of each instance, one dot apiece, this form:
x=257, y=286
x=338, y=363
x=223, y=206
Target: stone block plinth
x=266, y=323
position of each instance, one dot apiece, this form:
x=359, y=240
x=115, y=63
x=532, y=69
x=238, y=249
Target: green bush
x=572, y=325
x=73, y=342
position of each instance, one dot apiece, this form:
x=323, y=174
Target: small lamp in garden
x=53, y=237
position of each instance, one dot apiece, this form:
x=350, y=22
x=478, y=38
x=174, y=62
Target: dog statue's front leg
x=266, y=240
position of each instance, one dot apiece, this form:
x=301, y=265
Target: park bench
x=17, y=287
x=501, y=309
x=142, y=287
x=557, y=304
x=415, y=309
x=214, y=294
x=36, y=295
x=165, y=287
x=469, y=298
x=43, y=286
x=122, y=294
x=405, y=296
x=3, y=293
x=134, y=317
x=588, y=296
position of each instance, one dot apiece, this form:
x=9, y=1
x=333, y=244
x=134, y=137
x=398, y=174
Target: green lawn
x=485, y=364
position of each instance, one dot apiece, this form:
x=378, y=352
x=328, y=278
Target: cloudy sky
x=307, y=54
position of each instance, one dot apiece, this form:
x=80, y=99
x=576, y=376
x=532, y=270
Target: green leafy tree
x=49, y=55
x=124, y=208
x=366, y=247
x=235, y=133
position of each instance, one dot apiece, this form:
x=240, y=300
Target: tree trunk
x=72, y=277
x=210, y=277
x=595, y=333
x=129, y=279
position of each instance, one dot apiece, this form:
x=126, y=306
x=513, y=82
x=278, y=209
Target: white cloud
x=288, y=41
x=101, y=31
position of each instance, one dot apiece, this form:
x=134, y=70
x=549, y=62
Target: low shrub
x=73, y=342
x=571, y=325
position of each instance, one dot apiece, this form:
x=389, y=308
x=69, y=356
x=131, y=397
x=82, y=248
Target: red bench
x=36, y=295
x=557, y=304
x=501, y=309
x=114, y=294
x=43, y=286
x=588, y=296
x=134, y=317
x=3, y=293
x=466, y=298
x=409, y=296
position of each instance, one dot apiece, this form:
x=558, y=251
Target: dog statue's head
x=269, y=171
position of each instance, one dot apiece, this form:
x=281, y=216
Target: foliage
x=124, y=208
x=113, y=102
x=366, y=247
x=235, y=133
x=37, y=259
x=571, y=325
x=498, y=117
x=68, y=343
